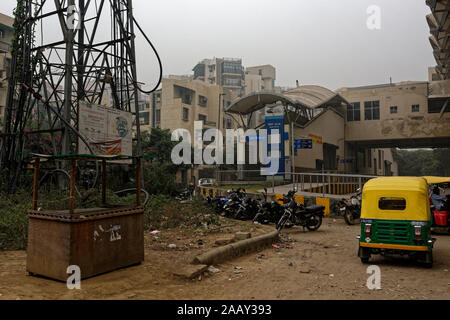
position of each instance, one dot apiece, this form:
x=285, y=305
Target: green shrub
x=160, y=178
x=163, y=212
x=14, y=221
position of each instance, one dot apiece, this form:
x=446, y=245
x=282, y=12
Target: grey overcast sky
x=324, y=42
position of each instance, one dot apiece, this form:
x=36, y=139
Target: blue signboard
x=255, y=137
x=303, y=144
x=276, y=123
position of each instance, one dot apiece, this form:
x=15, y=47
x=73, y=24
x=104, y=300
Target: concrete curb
x=237, y=249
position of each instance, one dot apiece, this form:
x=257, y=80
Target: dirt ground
x=307, y=265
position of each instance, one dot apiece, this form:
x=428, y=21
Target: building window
x=372, y=110
x=232, y=67
x=202, y=117
x=436, y=105
x=415, y=108
x=202, y=101
x=354, y=112
x=158, y=115
x=144, y=118
x=185, y=114
x=186, y=95
x=394, y=109
x=232, y=82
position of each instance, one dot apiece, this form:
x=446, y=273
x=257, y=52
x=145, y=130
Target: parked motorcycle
x=234, y=202
x=247, y=209
x=271, y=211
x=351, y=208
x=296, y=214
x=186, y=194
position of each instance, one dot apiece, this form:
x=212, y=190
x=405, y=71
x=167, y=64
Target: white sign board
x=108, y=131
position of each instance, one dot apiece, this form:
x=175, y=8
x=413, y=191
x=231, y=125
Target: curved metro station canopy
x=309, y=96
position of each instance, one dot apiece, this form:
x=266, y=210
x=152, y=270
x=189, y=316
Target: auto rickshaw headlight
x=418, y=232
x=368, y=229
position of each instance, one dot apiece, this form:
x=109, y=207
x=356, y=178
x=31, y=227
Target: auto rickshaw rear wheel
x=426, y=258
x=364, y=254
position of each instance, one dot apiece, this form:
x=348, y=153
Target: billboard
x=108, y=131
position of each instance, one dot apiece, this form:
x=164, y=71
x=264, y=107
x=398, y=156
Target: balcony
x=210, y=123
x=4, y=47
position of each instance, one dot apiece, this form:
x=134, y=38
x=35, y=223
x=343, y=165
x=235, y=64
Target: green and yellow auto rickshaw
x=396, y=219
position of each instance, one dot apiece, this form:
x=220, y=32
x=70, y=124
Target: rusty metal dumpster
x=97, y=240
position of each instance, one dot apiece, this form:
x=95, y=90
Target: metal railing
x=312, y=182
x=330, y=183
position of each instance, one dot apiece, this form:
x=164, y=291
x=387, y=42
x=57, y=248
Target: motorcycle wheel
x=282, y=222
x=240, y=214
x=259, y=217
x=349, y=217
x=314, y=225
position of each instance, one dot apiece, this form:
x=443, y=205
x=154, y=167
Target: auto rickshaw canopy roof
x=412, y=191
x=437, y=180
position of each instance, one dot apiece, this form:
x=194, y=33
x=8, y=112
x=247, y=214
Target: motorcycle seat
x=314, y=208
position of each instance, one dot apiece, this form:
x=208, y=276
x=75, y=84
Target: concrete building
x=181, y=102
x=388, y=114
x=6, y=35
x=229, y=73
x=354, y=129
x=225, y=72
x=257, y=79
x=260, y=78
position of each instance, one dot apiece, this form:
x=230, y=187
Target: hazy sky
x=324, y=42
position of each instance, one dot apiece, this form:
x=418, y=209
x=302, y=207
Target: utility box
x=97, y=240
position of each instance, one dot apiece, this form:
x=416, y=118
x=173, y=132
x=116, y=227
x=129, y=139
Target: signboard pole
x=293, y=151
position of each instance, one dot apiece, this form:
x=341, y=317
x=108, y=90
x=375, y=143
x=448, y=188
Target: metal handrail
x=336, y=175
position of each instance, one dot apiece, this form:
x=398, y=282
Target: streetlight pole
x=218, y=128
x=218, y=117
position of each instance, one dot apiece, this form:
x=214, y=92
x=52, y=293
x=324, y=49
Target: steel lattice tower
x=66, y=51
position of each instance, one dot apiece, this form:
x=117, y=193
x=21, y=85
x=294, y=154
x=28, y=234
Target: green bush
x=160, y=179
x=163, y=212
x=14, y=221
